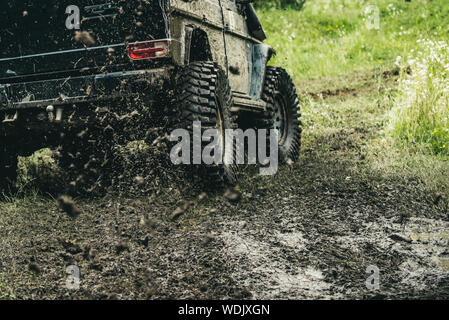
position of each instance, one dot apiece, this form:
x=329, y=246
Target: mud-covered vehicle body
x=67, y=65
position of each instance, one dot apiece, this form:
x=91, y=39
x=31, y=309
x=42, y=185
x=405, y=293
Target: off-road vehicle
x=74, y=73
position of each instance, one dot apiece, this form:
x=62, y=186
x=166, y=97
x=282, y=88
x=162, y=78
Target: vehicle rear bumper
x=83, y=89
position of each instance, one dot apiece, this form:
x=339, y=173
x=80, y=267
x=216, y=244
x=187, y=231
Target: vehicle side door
x=238, y=47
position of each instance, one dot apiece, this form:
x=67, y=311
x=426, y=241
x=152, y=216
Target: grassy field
x=331, y=38
x=330, y=45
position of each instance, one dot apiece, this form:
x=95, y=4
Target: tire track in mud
x=311, y=242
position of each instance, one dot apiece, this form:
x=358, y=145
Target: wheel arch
x=197, y=46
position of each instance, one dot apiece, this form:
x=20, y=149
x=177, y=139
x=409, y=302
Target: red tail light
x=148, y=49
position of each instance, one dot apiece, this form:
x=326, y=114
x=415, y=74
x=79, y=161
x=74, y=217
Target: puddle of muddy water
x=268, y=273
x=430, y=239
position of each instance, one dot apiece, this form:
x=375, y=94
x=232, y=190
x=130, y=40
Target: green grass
x=328, y=45
x=421, y=116
x=331, y=38
x=328, y=39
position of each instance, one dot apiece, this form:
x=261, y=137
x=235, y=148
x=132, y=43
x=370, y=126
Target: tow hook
x=58, y=114
x=50, y=109
x=9, y=117
x=51, y=116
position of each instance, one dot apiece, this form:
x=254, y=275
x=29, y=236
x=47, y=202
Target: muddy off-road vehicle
x=83, y=76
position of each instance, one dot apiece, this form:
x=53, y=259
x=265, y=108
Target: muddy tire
x=8, y=168
x=282, y=112
x=204, y=95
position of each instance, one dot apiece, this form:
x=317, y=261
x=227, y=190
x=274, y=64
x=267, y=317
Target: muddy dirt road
x=308, y=233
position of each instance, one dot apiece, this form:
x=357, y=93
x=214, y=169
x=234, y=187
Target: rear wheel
x=205, y=95
x=282, y=112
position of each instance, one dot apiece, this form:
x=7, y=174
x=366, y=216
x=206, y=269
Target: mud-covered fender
x=190, y=44
x=260, y=55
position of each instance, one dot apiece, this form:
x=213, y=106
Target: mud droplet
x=179, y=211
x=121, y=246
x=437, y=199
x=398, y=237
x=34, y=267
x=138, y=180
x=202, y=196
x=84, y=37
x=144, y=241
x=233, y=195
x=148, y=222
x=68, y=206
x=207, y=239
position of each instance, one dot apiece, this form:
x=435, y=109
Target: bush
x=281, y=4
x=421, y=115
